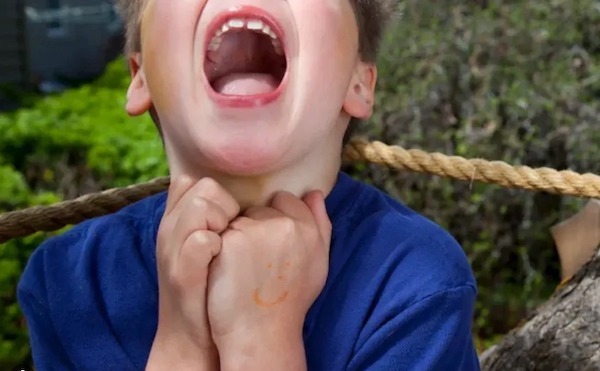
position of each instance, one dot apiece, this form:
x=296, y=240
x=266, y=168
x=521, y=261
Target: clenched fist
x=196, y=213
x=272, y=266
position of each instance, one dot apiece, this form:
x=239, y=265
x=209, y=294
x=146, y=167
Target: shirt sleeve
x=47, y=351
x=432, y=334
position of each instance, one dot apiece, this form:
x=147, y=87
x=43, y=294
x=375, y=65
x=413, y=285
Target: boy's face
x=248, y=87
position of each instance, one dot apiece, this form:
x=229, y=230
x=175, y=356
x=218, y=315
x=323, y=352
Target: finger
x=262, y=213
x=239, y=224
x=316, y=203
x=210, y=189
x=291, y=206
x=178, y=187
x=201, y=247
x=199, y=214
x=194, y=257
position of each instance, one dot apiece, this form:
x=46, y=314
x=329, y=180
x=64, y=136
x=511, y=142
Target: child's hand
x=272, y=266
x=188, y=239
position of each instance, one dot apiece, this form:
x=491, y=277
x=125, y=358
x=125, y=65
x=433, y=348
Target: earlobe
x=138, y=96
x=360, y=97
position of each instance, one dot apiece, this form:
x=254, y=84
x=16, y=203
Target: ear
x=361, y=92
x=138, y=96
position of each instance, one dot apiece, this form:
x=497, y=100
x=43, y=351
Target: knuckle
x=200, y=203
x=211, y=212
x=197, y=240
x=198, y=249
x=212, y=190
x=180, y=268
x=209, y=186
x=285, y=225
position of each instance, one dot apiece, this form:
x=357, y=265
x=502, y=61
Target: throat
x=259, y=190
x=245, y=63
x=315, y=171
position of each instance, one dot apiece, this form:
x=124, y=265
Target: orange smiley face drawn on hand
x=266, y=304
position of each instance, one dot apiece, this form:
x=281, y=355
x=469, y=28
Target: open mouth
x=245, y=58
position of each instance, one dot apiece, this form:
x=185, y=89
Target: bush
x=504, y=80
x=58, y=148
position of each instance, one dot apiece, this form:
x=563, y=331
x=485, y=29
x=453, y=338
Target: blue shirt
x=399, y=295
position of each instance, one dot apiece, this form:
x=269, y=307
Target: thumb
x=316, y=203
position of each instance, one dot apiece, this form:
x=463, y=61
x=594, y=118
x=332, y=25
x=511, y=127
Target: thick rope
x=23, y=223
x=544, y=179
x=51, y=218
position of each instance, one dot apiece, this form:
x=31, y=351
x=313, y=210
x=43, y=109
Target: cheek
x=328, y=39
x=168, y=29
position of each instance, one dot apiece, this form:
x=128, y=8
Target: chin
x=245, y=158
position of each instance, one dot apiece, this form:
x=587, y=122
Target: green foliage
x=60, y=147
x=506, y=80
x=14, y=193
x=516, y=81
x=83, y=135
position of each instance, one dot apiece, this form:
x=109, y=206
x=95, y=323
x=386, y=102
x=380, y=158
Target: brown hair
x=131, y=12
x=371, y=17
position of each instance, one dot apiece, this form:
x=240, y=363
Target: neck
x=258, y=190
x=317, y=171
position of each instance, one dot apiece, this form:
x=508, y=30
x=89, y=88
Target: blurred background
x=511, y=80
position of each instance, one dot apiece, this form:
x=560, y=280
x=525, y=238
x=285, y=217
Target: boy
x=262, y=255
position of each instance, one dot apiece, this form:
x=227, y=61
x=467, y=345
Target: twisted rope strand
x=25, y=222
x=51, y=218
x=544, y=179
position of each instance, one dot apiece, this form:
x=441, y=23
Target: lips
x=245, y=58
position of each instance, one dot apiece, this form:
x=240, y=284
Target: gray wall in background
x=70, y=39
x=13, y=59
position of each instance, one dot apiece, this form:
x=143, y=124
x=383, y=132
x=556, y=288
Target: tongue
x=246, y=84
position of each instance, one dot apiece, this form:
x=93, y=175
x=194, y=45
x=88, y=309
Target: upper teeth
x=250, y=24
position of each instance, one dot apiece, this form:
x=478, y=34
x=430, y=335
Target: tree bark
x=562, y=334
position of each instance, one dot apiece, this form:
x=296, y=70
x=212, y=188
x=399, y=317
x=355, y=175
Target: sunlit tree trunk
x=564, y=333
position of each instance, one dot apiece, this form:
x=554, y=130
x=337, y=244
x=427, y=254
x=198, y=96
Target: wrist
x=177, y=353
x=262, y=349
